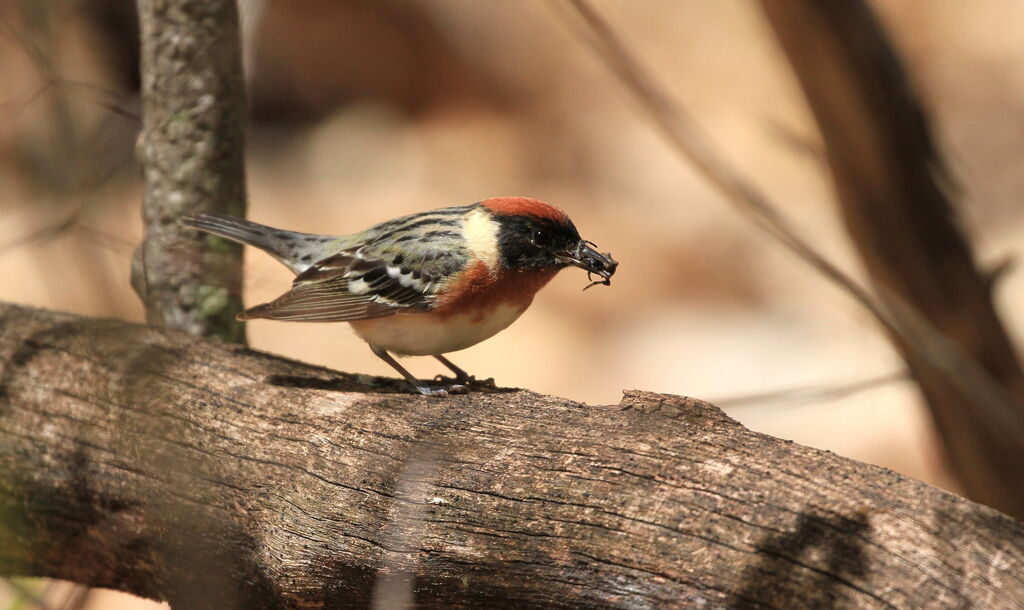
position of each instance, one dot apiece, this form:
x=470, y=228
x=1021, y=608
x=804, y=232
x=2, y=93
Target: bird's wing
x=399, y=266
x=372, y=281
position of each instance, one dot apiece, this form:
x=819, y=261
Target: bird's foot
x=469, y=381
x=483, y=383
x=444, y=390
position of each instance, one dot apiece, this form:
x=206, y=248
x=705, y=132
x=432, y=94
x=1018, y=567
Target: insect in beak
x=593, y=262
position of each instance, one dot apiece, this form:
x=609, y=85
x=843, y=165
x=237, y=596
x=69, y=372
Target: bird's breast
x=479, y=290
x=477, y=306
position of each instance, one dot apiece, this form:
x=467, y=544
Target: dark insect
x=603, y=266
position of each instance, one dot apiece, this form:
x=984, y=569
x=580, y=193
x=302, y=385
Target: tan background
x=433, y=103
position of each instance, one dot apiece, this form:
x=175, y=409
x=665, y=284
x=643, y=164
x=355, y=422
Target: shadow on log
x=205, y=474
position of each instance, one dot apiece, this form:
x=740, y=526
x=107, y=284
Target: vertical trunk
x=191, y=151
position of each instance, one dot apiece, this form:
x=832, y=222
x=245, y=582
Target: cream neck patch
x=481, y=234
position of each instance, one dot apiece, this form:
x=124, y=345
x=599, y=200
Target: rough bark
x=191, y=151
x=178, y=468
x=888, y=175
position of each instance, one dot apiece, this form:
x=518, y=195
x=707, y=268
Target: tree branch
x=177, y=468
x=191, y=150
x=888, y=176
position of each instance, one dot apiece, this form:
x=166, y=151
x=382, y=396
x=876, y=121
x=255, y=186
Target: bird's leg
x=416, y=383
x=462, y=376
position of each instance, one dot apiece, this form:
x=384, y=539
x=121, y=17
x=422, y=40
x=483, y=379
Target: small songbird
x=424, y=284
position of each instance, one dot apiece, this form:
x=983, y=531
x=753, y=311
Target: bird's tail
x=297, y=251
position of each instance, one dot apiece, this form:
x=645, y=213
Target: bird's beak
x=590, y=260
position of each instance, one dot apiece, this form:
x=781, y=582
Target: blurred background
x=363, y=110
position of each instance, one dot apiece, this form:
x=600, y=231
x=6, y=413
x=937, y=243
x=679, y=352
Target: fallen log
x=213, y=476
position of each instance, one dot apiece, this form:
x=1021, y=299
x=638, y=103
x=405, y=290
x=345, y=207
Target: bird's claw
x=469, y=381
x=459, y=379
x=485, y=383
x=443, y=390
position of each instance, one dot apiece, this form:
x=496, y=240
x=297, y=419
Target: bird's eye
x=541, y=238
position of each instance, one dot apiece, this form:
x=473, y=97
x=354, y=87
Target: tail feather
x=237, y=229
x=256, y=311
x=297, y=251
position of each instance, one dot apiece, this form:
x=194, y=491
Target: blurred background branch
x=683, y=132
x=191, y=149
x=894, y=197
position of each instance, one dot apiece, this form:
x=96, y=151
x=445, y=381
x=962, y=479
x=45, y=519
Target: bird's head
x=536, y=236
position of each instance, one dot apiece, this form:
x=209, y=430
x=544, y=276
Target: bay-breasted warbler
x=424, y=284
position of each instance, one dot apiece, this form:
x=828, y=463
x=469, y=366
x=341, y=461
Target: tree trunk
x=191, y=150
x=887, y=174
x=211, y=476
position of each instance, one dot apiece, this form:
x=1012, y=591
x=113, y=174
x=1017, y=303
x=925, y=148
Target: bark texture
x=169, y=466
x=889, y=180
x=191, y=151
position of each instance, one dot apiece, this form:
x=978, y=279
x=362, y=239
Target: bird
x=425, y=284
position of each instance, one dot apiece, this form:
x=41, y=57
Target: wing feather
x=347, y=287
